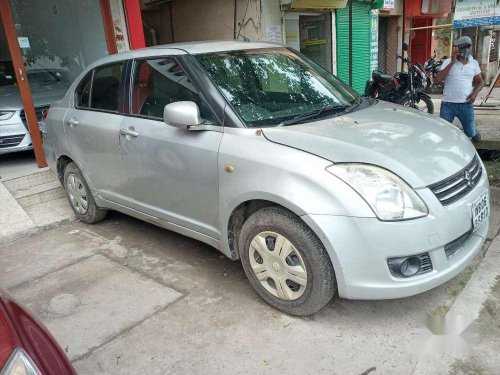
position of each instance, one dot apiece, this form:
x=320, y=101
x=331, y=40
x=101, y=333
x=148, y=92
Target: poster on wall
x=273, y=34
x=388, y=5
x=119, y=25
x=373, y=40
x=472, y=13
x=24, y=42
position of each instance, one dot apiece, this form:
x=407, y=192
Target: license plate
x=480, y=210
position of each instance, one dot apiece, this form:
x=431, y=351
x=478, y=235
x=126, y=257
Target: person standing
x=462, y=82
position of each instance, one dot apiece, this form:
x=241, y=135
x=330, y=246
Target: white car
x=47, y=86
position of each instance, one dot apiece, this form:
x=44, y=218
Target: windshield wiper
x=354, y=105
x=313, y=114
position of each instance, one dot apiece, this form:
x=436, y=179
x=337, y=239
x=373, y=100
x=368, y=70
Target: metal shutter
x=360, y=45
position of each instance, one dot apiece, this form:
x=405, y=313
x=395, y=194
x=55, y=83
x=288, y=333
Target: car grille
x=11, y=140
x=38, y=111
x=460, y=184
x=452, y=247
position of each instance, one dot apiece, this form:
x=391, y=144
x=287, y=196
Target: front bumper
x=359, y=247
x=13, y=136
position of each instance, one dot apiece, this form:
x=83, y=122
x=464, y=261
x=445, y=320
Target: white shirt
x=458, y=82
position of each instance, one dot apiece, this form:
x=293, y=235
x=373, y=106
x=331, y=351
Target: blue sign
x=472, y=13
x=473, y=22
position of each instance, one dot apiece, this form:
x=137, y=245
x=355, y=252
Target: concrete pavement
x=126, y=297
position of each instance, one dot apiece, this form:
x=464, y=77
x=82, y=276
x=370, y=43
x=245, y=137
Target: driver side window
x=158, y=82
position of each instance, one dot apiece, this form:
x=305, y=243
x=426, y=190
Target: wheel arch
x=241, y=211
x=62, y=162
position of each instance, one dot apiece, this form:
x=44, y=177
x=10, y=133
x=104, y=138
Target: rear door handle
x=72, y=122
x=129, y=132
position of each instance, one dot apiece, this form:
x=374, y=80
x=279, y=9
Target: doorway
x=420, y=43
x=46, y=46
x=311, y=34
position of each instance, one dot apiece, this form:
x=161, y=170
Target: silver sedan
x=262, y=154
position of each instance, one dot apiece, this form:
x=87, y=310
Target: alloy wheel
x=77, y=194
x=278, y=265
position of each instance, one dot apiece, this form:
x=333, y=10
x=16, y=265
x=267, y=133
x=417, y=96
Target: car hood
x=10, y=99
x=420, y=148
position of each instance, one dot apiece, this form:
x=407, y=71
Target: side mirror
x=182, y=114
x=405, y=46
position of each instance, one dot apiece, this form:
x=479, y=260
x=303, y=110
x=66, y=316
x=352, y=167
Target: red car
x=26, y=346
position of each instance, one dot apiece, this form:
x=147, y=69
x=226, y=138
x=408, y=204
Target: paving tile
x=51, y=212
x=28, y=259
x=35, y=189
x=87, y=304
x=13, y=218
x=25, y=182
x=43, y=196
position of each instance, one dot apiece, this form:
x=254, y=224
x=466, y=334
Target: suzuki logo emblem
x=468, y=178
x=276, y=266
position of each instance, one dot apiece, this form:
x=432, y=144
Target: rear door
x=92, y=130
x=173, y=172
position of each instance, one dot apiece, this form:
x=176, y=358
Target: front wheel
x=422, y=103
x=285, y=262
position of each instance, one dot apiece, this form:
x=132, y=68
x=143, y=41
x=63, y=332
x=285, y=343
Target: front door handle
x=72, y=122
x=129, y=132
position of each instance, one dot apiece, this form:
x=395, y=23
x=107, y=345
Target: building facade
x=350, y=38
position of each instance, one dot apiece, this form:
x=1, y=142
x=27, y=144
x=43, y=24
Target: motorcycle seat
x=380, y=77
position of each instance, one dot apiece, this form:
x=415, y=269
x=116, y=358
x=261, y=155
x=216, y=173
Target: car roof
x=185, y=48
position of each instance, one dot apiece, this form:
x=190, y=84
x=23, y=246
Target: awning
x=318, y=4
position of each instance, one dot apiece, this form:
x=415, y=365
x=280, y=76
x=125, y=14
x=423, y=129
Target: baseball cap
x=463, y=41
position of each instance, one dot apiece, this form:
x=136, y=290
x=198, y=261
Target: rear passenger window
x=159, y=82
x=105, y=87
x=83, y=91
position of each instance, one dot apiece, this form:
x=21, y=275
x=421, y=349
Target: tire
x=78, y=192
x=305, y=252
x=424, y=103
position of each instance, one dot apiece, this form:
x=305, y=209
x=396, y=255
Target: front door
x=420, y=45
x=92, y=129
x=172, y=172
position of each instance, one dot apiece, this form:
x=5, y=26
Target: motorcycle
x=432, y=68
x=405, y=88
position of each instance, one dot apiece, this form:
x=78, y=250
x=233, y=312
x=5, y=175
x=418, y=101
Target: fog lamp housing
x=409, y=266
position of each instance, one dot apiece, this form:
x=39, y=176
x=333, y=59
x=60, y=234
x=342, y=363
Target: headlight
x=5, y=115
x=20, y=364
x=388, y=195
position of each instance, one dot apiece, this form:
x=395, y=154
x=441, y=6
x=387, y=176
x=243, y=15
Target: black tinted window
x=7, y=76
x=105, y=87
x=159, y=82
x=82, y=94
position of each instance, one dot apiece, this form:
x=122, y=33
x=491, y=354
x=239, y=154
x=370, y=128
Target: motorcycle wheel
x=423, y=103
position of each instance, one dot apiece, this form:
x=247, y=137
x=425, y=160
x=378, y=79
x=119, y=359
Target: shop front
x=43, y=47
x=310, y=28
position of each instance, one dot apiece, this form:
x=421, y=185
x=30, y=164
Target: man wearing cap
x=462, y=82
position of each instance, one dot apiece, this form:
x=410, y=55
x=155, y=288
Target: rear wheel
x=285, y=262
x=80, y=197
x=422, y=103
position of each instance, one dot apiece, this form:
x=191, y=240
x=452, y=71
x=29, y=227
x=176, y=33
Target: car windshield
x=39, y=78
x=268, y=87
x=47, y=78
